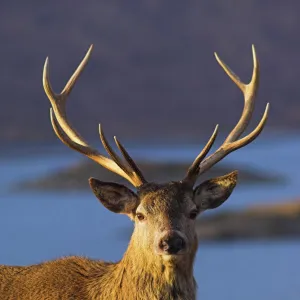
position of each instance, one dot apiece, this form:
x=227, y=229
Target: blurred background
x=153, y=81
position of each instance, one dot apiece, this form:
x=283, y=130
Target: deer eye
x=140, y=217
x=193, y=214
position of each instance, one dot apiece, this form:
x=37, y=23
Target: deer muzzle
x=171, y=243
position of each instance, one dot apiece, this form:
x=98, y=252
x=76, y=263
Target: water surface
x=37, y=226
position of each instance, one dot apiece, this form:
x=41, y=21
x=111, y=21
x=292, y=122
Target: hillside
x=152, y=73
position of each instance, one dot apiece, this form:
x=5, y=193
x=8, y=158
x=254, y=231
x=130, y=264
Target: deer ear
x=214, y=192
x=115, y=197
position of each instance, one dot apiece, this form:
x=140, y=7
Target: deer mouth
x=169, y=256
x=174, y=259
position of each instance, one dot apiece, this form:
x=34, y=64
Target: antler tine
x=134, y=170
x=232, y=142
x=249, y=91
x=254, y=134
x=130, y=161
x=110, y=151
x=193, y=170
x=58, y=101
x=69, y=136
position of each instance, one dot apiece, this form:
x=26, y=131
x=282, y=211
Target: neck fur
x=144, y=275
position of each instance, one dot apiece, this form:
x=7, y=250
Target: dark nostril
x=163, y=245
x=178, y=243
x=172, y=245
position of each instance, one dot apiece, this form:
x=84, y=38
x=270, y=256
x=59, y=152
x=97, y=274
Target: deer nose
x=171, y=244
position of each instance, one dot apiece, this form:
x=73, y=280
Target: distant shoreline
x=273, y=221
x=261, y=222
x=75, y=176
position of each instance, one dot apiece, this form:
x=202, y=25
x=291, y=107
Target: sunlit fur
x=142, y=273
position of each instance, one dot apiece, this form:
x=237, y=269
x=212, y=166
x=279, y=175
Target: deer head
x=164, y=214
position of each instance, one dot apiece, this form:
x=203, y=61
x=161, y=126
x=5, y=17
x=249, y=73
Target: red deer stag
x=158, y=263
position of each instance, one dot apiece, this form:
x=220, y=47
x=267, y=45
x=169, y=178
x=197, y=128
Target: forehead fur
x=156, y=198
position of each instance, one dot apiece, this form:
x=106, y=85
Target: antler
x=232, y=142
x=69, y=136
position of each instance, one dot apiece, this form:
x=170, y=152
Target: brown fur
x=142, y=273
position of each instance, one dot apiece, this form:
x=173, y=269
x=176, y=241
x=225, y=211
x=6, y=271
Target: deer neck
x=141, y=274
x=152, y=277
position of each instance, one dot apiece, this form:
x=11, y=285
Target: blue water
x=39, y=226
